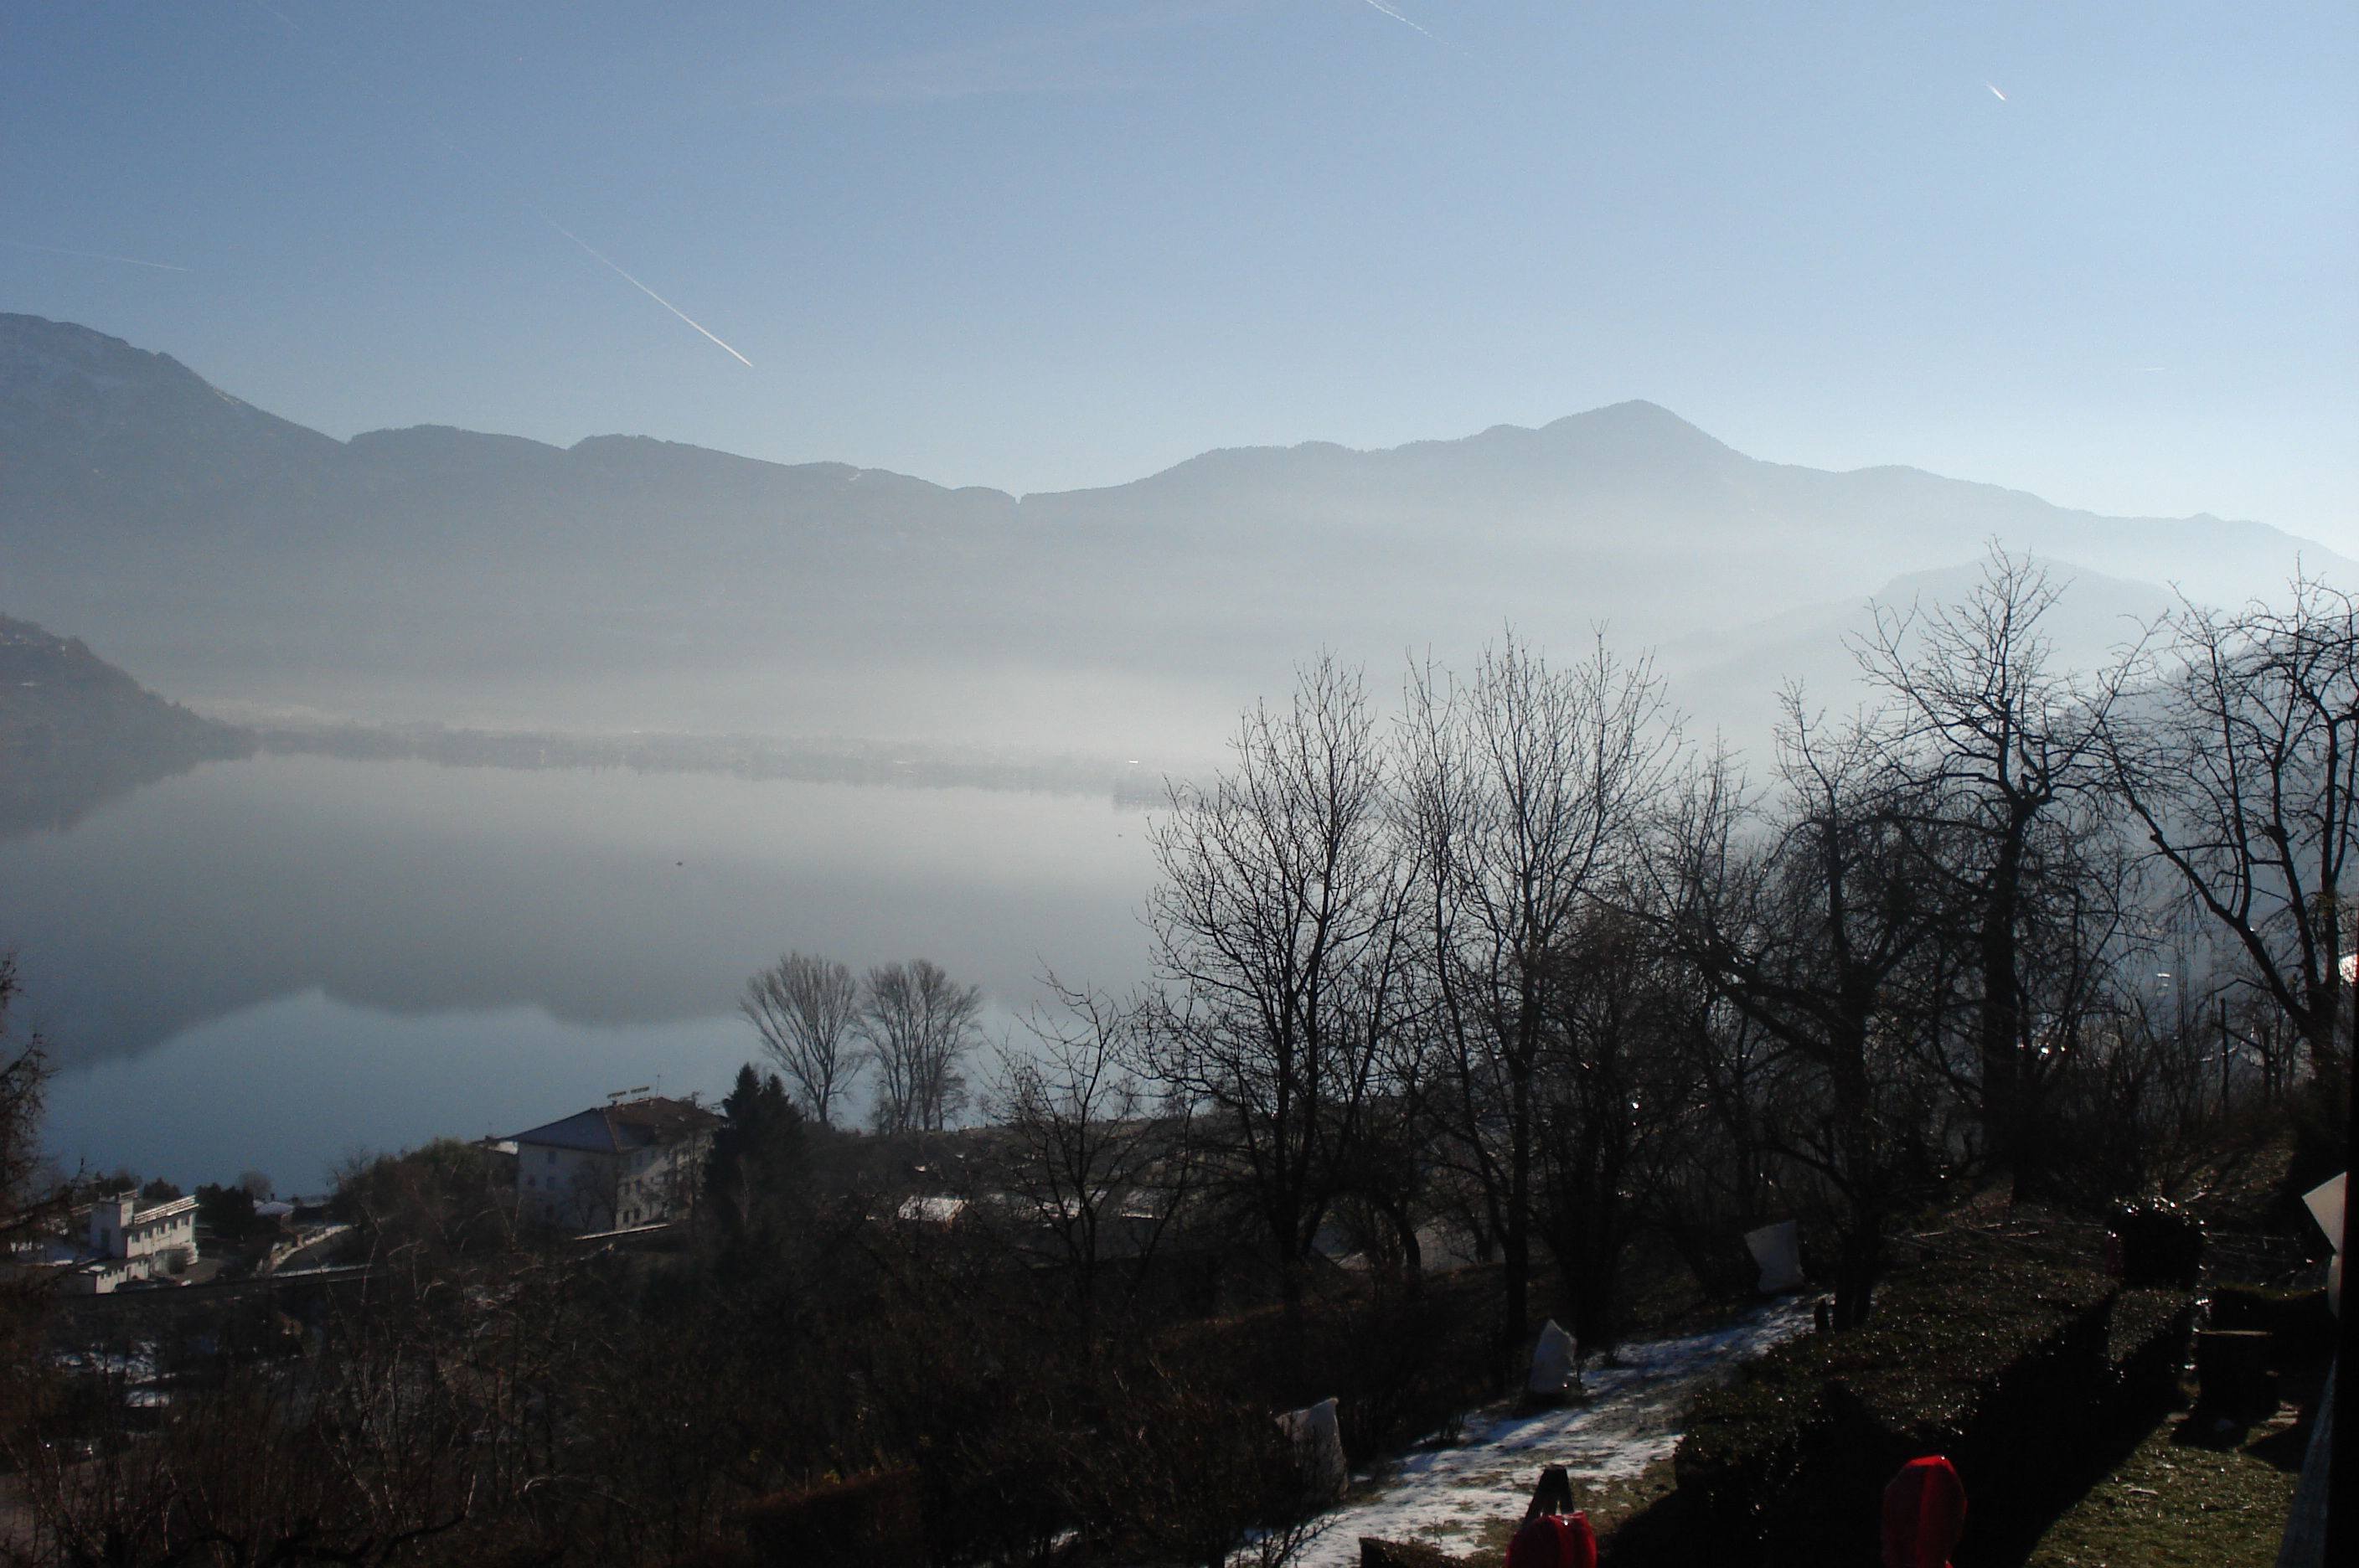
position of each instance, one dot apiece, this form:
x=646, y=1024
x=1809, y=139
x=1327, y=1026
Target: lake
x=274, y=963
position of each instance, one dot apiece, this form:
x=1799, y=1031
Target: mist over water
x=270, y=963
x=1176, y=721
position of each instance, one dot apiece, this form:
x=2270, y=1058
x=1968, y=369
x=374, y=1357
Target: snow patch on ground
x=1634, y=1415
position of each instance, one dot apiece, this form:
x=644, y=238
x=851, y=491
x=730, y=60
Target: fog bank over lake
x=320, y=955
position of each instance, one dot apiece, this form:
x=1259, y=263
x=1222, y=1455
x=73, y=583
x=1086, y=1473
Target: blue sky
x=1042, y=245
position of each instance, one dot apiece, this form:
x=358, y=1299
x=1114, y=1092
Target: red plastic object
x=1924, y=1514
x=1554, y=1540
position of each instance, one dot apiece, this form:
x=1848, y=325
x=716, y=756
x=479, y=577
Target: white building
x=634, y=1164
x=124, y=1243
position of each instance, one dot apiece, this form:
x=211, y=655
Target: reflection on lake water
x=270, y=963
x=290, y=1086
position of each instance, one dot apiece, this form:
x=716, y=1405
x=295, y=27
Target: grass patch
x=2176, y=1503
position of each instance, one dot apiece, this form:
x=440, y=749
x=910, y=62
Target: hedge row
x=2300, y=1325
x=2014, y=1370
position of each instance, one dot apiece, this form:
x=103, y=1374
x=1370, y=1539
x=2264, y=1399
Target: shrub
x=2162, y=1244
x=227, y=1215
x=2010, y=1369
x=2299, y=1324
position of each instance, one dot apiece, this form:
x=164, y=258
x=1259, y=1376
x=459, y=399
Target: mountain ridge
x=1623, y=416
x=233, y=554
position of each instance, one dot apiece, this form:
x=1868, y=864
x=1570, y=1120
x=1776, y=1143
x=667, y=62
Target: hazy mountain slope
x=231, y=554
x=76, y=732
x=115, y=463
x=1730, y=681
x=1632, y=493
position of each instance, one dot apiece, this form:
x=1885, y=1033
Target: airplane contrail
x=99, y=255
x=1404, y=21
x=650, y=293
x=436, y=132
x=1995, y=93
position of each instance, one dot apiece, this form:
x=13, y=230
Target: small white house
x=634, y=1164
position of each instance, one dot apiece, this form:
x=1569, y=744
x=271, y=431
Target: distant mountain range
x=232, y=557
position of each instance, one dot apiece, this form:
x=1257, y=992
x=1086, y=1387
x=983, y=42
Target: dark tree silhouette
x=807, y=1011
x=1810, y=919
x=1278, y=926
x=1525, y=787
x=2242, y=770
x=920, y=1026
x=2008, y=756
x=753, y=1175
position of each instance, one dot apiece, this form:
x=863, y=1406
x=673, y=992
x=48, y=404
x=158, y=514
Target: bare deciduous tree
x=23, y=1073
x=806, y=1009
x=2243, y=771
x=1103, y=1175
x=1525, y=787
x=1279, y=925
x=2009, y=752
x=918, y=1026
x=1810, y=921
x=26, y=1209
x=1629, y=1035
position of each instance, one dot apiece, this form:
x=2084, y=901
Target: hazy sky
x=1039, y=244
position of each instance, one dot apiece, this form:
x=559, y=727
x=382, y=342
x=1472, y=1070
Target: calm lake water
x=273, y=964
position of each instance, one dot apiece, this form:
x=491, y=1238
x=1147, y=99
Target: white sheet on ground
x=1778, y=1250
x=1318, y=1448
x=1552, y=1362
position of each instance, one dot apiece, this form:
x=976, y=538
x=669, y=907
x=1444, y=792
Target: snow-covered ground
x=1444, y=1495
